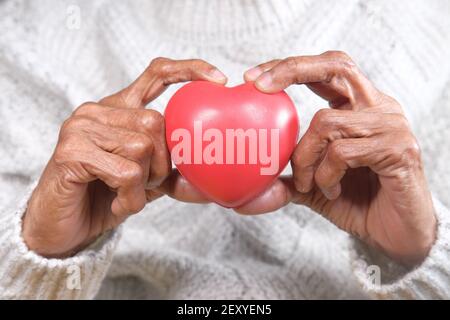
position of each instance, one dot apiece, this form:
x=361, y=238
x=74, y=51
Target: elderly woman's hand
x=358, y=163
x=110, y=160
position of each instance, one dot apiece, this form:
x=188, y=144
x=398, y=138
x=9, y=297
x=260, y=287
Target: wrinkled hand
x=111, y=159
x=358, y=163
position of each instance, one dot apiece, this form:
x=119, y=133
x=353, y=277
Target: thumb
x=279, y=194
x=178, y=188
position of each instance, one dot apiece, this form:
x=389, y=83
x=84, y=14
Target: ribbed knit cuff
x=26, y=275
x=429, y=280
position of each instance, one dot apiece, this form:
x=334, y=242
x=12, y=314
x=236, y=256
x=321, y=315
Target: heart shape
x=230, y=143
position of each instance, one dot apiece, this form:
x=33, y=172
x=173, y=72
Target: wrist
x=40, y=235
x=422, y=246
x=35, y=239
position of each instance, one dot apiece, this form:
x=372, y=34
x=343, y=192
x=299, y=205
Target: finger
x=340, y=156
x=132, y=145
x=335, y=69
x=161, y=73
x=147, y=122
x=120, y=174
x=253, y=73
x=335, y=100
x=278, y=195
x=126, y=176
x=177, y=187
x=160, y=162
x=388, y=155
x=329, y=125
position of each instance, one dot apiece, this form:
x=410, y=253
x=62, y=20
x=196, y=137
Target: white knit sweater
x=50, y=63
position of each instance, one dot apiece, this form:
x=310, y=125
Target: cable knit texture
x=49, y=65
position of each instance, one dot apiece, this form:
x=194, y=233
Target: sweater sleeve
x=26, y=275
x=382, y=278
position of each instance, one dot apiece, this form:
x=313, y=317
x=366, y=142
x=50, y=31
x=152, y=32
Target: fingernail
x=264, y=81
x=253, y=73
x=218, y=75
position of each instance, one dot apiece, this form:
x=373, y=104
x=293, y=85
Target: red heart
x=202, y=116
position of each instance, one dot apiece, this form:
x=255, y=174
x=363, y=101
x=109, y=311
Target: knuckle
x=84, y=109
x=141, y=146
x=390, y=100
x=132, y=174
x=65, y=127
x=344, y=64
x=411, y=153
x=337, y=54
x=158, y=62
x=405, y=152
x=400, y=121
x=74, y=124
x=64, y=151
x=347, y=67
x=321, y=120
x=290, y=63
x=152, y=121
x=62, y=154
x=391, y=104
x=296, y=158
x=396, y=155
x=336, y=150
x=161, y=66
